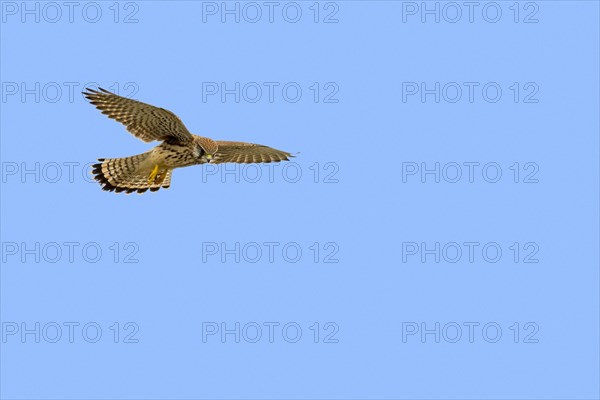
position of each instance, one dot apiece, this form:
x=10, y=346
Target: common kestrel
x=179, y=148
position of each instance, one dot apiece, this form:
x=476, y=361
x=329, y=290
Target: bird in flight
x=179, y=148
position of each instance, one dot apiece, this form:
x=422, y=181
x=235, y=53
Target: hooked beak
x=209, y=157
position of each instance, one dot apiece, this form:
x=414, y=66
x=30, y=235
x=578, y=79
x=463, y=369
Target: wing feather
x=246, y=153
x=144, y=121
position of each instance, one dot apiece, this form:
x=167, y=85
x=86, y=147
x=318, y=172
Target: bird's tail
x=131, y=174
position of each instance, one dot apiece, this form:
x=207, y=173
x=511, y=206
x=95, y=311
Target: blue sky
x=436, y=235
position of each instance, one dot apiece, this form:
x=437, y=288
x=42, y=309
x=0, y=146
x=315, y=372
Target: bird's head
x=208, y=149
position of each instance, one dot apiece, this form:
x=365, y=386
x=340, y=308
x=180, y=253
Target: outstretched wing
x=142, y=120
x=240, y=152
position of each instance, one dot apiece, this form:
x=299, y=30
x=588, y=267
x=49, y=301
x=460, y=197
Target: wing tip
x=90, y=93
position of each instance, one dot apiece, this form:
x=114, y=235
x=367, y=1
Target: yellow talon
x=153, y=175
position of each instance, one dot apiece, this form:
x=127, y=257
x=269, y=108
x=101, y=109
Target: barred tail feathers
x=129, y=174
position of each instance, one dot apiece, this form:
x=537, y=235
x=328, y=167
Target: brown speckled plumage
x=179, y=148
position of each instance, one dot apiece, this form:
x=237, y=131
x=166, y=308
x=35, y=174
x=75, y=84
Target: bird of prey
x=179, y=148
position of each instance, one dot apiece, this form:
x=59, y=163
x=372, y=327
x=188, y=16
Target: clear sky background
x=435, y=237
